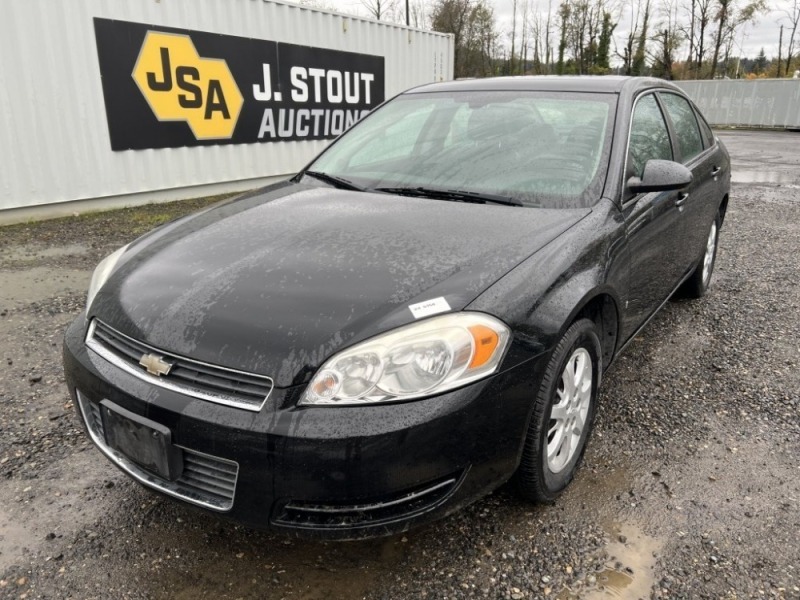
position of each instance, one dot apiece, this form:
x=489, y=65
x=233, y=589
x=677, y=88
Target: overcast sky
x=763, y=34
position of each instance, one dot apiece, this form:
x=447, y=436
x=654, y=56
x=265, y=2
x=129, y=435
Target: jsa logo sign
x=179, y=85
x=175, y=88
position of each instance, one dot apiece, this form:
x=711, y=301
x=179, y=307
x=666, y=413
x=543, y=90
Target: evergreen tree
x=760, y=64
x=604, y=45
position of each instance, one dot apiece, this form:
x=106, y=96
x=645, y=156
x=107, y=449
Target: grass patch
x=103, y=228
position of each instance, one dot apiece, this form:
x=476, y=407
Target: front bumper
x=334, y=472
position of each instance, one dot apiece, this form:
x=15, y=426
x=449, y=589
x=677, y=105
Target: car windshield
x=531, y=148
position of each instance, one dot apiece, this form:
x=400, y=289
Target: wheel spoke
x=585, y=394
x=568, y=378
x=584, y=385
x=566, y=449
x=559, y=412
x=554, y=454
x=554, y=446
x=580, y=370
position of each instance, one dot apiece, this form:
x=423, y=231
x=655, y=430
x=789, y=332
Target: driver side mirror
x=660, y=176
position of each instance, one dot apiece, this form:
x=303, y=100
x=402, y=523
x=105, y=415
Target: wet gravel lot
x=689, y=489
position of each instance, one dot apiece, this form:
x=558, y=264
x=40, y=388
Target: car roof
x=608, y=84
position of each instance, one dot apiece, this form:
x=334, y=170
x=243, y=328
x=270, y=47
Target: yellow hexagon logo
x=179, y=85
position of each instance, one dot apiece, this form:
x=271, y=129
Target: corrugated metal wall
x=747, y=103
x=54, y=140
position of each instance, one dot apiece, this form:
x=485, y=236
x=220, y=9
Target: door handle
x=682, y=198
x=715, y=171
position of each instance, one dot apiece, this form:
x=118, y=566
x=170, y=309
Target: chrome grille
x=187, y=376
x=207, y=481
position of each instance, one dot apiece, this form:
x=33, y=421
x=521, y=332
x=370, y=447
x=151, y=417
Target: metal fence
x=747, y=103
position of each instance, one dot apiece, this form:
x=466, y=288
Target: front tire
x=563, y=414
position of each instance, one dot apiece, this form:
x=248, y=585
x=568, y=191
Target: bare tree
x=564, y=12
x=793, y=17
x=418, y=16
x=535, y=39
x=320, y=4
x=472, y=24
x=729, y=18
x=668, y=40
x=525, y=41
x=638, y=60
x=700, y=18
x=513, y=35
x=548, y=47
x=627, y=53
x=583, y=25
x=577, y=33
x=704, y=20
x=379, y=9
x=690, y=33
x=723, y=13
x=539, y=38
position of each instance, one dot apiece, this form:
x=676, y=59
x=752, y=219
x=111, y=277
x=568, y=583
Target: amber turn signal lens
x=486, y=341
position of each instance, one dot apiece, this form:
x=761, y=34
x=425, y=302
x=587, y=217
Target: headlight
x=101, y=274
x=421, y=359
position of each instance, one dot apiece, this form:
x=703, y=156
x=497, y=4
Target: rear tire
x=563, y=414
x=697, y=285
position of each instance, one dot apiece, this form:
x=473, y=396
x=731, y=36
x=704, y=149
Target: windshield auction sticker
x=167, y=88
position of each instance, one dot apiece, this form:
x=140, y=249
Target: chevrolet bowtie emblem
x=155, y=365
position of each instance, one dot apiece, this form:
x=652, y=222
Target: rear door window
x=705, y=131
x=685, y=125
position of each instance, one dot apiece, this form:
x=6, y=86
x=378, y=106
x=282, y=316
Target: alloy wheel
x=570, y=410
x=708, y=258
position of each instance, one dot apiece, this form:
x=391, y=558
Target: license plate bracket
x=145, y=442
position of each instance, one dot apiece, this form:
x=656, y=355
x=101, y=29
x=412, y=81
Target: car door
x=652, y=220
x=698, y=202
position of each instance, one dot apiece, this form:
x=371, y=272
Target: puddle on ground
x=629, y=572
x=600, y=484
x=614, y=584
x=786, y=178
x=35, y=252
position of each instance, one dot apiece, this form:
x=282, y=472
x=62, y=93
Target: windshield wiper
x=339, y=182
x=455, y=195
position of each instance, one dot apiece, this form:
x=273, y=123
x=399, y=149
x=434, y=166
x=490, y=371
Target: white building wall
x=747, y=103
x=54, y=137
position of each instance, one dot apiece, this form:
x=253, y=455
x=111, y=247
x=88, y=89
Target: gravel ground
x=689, y=489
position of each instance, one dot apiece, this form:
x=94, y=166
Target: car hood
x=277, y=281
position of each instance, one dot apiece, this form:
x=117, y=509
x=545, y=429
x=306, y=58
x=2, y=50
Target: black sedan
x=421, y=314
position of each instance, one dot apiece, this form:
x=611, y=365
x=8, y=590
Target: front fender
x=579, y=273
